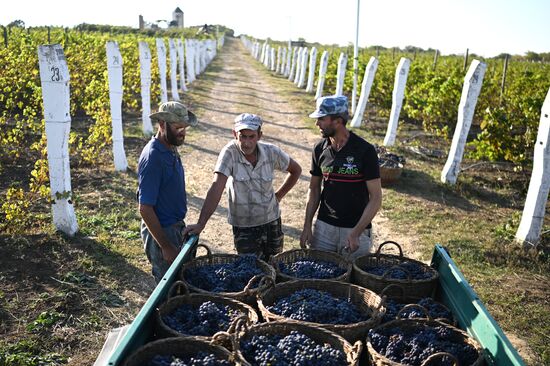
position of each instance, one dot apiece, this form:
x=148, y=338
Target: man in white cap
x=247, y=165
x=346, y=168
x=161, y=191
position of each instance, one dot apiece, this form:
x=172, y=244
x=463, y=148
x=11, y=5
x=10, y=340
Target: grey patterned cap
x=247, y=121
x=330, y=105
x=174, y=112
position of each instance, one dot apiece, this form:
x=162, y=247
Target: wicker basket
x=412, y=287
x=390, y=175
x=164, y=331
x=397, y=293
x=317, y=334
x=248, y=294
x=378, y=359
x=179, y=347
x=367, y=301
x=291, y=256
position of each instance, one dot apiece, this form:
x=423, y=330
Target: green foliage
x=45, y=320
x=503, y=128
x=28, y=353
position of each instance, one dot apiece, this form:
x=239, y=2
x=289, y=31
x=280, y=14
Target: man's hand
x=193, y=229
x=305, y=238
x=353, y=242
x=169, y=253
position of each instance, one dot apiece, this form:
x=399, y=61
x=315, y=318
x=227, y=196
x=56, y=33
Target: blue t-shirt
x=161, y=181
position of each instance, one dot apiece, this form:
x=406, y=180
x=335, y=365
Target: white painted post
x=262, y=55
x=204, y=51
x=288, y=62
x=173, y=70
x=293, y=63
x=401, y=74
x=466, y=108
x=283, y=61
x=532, y=218
x=303, y=69
x=342, y=63
x=368, y=78
x=190, y=59
x=278, y=65
x=114, y=72
x=145, y=74
x=197, y=60
x=312, y=64
x=322, y=74
x=273, y=60
x=299, y=56
x=54, y=78
x=181, y=59
x=161, y=60
x=267, y=54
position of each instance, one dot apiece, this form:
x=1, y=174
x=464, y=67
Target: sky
x=485, y=27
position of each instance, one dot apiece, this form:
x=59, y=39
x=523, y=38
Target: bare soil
x=239, y=87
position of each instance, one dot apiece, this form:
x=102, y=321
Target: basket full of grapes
x=391, y=166
x=182, y=351
x=311, y=264
x=420, y=342
x=294, y=344
x=237, y=276
x=400, y=306
x=343, y=308
x=377, y=270
x=200, y=315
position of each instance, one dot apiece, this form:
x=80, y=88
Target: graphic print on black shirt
x=345, y=172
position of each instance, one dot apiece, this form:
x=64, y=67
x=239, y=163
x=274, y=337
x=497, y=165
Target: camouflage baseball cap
x=247, y=121
x=174, y=112
x=330, y=105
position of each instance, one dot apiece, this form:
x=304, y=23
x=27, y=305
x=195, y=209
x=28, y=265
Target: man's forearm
x=153, y=225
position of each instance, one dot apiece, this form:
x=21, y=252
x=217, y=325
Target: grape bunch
x=204, y=320
x=387, y=159
x=306, y=268
x=412, y=346
x=226, y=277
x=416, y=270
x=318, y=307
x=435, y=310
x=200, y=359
x=295, y=349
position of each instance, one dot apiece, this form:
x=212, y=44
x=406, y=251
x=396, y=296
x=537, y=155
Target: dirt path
x=234, y=85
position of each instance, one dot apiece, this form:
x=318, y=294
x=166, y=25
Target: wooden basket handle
x=439, y=355
x=399, y=268
x=208, y=251
x=389, y=242
x=239, y=324
x=256, y=278
x=177, y=287
x=392, y=285
x=219, y=339
x=414, y=306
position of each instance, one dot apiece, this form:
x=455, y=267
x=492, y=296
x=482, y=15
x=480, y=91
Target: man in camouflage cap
x=346, y=168
x=161, y=191
x=253, y=204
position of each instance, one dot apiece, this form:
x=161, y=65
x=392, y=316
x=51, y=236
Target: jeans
x=153, y=251
x=334, y=239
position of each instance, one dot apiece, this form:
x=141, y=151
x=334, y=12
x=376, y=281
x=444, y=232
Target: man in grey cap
x=346, y=168
x=247, y=166
x=161, y=191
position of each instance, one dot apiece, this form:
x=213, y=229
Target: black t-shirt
x=345, y=194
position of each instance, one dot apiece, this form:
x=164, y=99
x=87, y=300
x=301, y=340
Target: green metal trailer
x=453, y=290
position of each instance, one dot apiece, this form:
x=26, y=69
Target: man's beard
x=172, y=138
x=329, y=132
